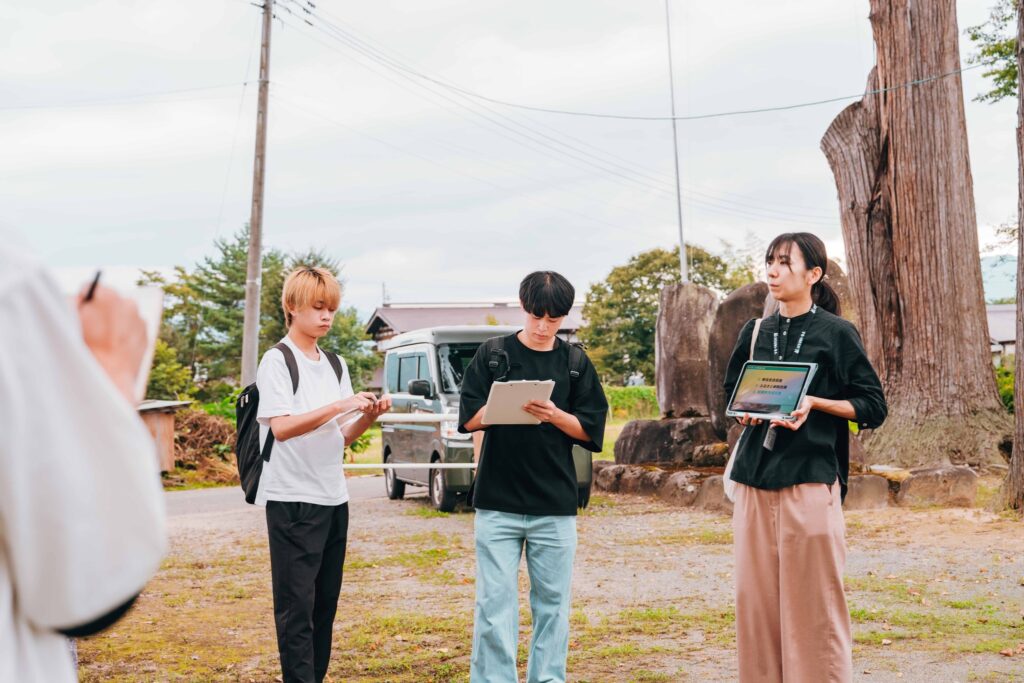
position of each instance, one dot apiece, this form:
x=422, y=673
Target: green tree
x=622, y=310
x=996, y=41
x=168, y=379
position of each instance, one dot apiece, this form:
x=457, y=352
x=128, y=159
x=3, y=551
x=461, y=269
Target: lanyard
x=799, y=343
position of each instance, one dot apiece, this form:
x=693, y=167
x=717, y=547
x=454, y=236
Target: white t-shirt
x=307, y=468
x=81, y=505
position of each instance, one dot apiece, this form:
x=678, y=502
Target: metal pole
x=254, y=266
x=683, y=270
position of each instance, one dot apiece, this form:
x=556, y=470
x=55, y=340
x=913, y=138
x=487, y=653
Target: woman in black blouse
x=792, y=622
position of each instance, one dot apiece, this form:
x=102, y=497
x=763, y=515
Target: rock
x=946, y=485
x=652, y=480
x=680, y=488
x=711, y=455
x=607, y=477
x=685, y=315
x=732, y=314
x=712, y=496
x=867, y=492
x=664, y=441
x=631, y=479
x=734, y=435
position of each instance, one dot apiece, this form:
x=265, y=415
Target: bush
x=224, y=408
x=1004, y=382
x=632, y=403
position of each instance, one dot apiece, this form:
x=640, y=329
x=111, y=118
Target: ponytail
x=826, y=297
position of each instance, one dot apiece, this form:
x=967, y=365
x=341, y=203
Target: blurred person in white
x=81, y=506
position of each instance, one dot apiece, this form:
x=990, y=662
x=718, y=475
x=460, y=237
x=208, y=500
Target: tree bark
x=1014, y=487
x=903, y=176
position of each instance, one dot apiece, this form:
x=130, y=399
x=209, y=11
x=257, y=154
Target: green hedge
x=1004, y=381
x=632, y=403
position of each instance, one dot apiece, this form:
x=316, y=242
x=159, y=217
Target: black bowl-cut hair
x=546, y=293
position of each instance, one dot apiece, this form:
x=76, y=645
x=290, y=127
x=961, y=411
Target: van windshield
x=453, y=360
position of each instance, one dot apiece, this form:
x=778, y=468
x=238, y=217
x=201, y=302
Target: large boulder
x=867, y=492
x=681, y=488
x=732, y=314
x=949, y=485
x=711, y=496
x=685, y=315
x=608, y=477
x=663, y=441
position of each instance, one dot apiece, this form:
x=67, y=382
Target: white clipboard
x=506, y=400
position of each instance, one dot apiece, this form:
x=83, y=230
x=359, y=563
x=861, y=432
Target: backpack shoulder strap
x=335, y=362
x=289, y=360
x=577, y=358
x=496, y=349
x=753, y=337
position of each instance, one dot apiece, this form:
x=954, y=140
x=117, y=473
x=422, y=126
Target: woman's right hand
x=748, y=421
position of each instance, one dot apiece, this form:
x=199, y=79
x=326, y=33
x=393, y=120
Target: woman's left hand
x=544, y=411
x=799, y=415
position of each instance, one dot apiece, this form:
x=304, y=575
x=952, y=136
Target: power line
x=127, y=99
x=352, y=33
x=693, y=117
x=713, y=204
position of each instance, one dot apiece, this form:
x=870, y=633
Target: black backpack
x=249, y=456
x=581, y=457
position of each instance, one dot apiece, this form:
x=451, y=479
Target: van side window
x=391, y=374
x=424, y=369
x=407, y=370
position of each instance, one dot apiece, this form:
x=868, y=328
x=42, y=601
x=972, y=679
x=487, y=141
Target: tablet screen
x=769, y=388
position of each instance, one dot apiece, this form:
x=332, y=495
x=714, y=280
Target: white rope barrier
x=412, y=466
x=415, y=418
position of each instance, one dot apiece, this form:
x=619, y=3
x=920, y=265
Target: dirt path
x=935, y=596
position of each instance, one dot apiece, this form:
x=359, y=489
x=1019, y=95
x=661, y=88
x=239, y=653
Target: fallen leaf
x=886, y=641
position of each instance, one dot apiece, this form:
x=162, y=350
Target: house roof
x=1002, y=323
x=408, y=317
x=161, y=406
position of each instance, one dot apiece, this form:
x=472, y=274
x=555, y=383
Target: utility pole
x=254, y=267
x=675, y=151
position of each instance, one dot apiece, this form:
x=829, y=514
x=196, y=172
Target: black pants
x=307, y=554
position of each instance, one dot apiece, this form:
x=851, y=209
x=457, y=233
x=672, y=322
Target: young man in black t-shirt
x=525, y=492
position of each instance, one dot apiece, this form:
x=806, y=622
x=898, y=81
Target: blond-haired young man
x=303, y=484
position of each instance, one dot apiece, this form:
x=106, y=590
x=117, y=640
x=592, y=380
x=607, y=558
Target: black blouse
x=818, y=452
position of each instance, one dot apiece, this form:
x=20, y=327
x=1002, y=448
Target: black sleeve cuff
x=101, y=623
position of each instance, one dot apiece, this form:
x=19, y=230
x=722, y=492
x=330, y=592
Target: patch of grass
x=644, y=676
x=426, y=512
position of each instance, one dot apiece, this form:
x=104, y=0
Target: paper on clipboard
x=506, y=400
x=150, y=301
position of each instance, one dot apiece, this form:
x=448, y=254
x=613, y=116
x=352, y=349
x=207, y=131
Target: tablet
x=770, y=390
x=506, y=400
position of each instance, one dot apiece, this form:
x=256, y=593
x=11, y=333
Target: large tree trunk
x=1014, y=488
x=907, y=209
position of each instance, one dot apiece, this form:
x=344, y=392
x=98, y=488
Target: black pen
x=92, y=287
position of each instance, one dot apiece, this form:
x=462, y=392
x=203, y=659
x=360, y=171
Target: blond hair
x=307, y=286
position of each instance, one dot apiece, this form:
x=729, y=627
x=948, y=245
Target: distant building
x=1002, y=331
x=391, y=319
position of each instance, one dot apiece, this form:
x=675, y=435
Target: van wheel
x=441, y=498
x=395, y=488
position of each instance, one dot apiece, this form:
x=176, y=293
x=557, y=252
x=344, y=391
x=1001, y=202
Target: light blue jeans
x=550, y=550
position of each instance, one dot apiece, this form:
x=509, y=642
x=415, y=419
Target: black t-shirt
x=818, y=452
x=528, y=469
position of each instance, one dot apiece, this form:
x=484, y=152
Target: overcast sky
x=441, y=197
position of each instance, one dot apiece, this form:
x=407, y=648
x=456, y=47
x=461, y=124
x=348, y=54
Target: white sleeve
x=275, y=387
x=81, y=504
x=346, y=380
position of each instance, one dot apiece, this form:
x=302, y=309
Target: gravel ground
x=936, y=596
